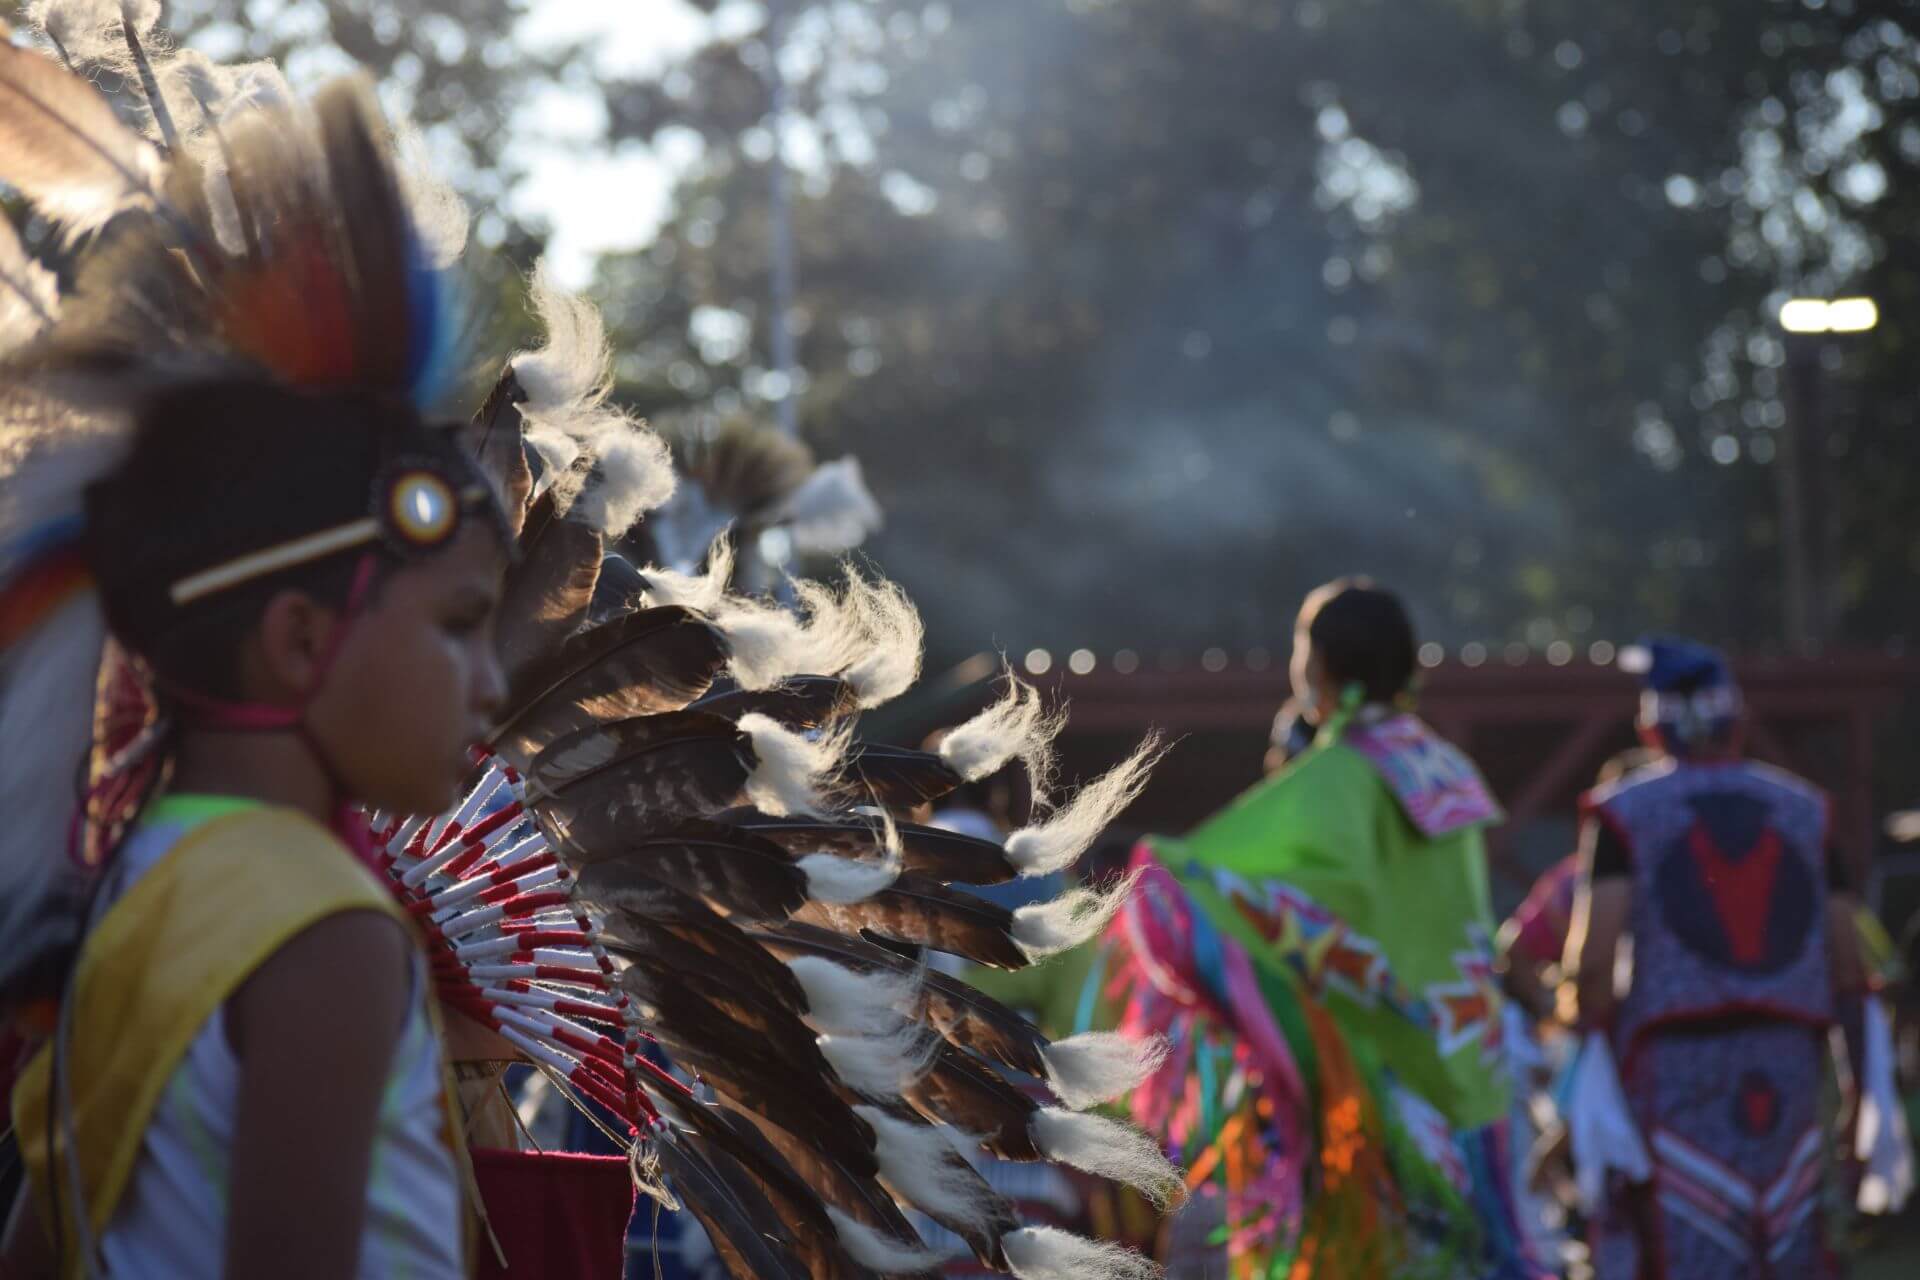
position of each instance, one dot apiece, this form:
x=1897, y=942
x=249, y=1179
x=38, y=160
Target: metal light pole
x=780, y=218
x=1801, y=459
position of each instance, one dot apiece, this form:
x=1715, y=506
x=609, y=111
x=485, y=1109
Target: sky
x=570, y=180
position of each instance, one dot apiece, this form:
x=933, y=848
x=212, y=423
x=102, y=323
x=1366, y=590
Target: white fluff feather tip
x=1099, y=1066
x=1109, y=1149
x=1058, y=842
x=604, y=468
x=1048, y=928
x=832, y=511
x=882, y=1253
x=793, y=770
x=921, y=1164
x=1017, y=726
x=1047, y=1253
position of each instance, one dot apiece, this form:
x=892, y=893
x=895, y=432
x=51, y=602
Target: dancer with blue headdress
x=1743, y=955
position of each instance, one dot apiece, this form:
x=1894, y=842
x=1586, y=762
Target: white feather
x=792, y=770
x=882, y=1253
x=881, y=1066
x=91, y=31
x=1099, y=1066
x=1047, y=1253
x=1016, y=727
x=846, y=1001
x=440, y=216
x=867, y=632
x=1056, y=843
x=920, y=1164
x=702, y=591
x=1048, y=928
x=831, y=512
x=844, y=881
x=891, y=637
x=1109, y=1149
x=605, y=468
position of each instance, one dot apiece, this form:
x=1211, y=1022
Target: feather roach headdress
x=276, y=245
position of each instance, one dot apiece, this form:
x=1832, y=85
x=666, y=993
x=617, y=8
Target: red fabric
x=558, y=1216
x=1540, y=923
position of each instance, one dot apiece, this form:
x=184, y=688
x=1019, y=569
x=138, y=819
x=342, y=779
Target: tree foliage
x=1147, y=314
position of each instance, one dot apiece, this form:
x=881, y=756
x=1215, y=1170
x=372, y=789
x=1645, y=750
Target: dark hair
x=1362, y=636
x=227, y=466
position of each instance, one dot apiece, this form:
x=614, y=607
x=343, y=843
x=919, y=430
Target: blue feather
x=434, y=327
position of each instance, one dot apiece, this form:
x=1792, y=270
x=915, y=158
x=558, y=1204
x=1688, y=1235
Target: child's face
x=417, y=681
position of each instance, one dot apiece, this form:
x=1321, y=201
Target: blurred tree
x=1147, y=314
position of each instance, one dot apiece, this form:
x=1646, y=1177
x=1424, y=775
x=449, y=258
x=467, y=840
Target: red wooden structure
x=1538, y=729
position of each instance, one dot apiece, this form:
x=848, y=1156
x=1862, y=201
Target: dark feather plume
x=549, y=588
x=497, y=437
x=966, y=1017
x=966, y=1093
x=799, y=702
x=744, y=1230
x=897, y=777
x=945, y=855
x=592, y=786
x=639, y=664
x=921, y=910
x=736, y=871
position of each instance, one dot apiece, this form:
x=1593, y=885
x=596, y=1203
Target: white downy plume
x=847, y=1002
x=29, y=293
x=793, y=769
x=882, y=1253
x=593, y=454
x=892, y=634
x=91, y=31
x=440, y=216
x=832, y=511
x=881, y=1066
x=1055, y=844
x=701, y=591
x=867, y=632
x=921, y=1165
x=845, y=881
x=1107, y=1148
x=1099, y=1066
x=196, y=87
x=1047, y=1253
x=768, y=643
x=1018, y=726
x=1048, y=928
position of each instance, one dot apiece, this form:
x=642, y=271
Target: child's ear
x=288, y=645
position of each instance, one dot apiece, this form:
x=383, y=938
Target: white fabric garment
x=1600, y=1128
x=171, y=1223
x=1881, y=1142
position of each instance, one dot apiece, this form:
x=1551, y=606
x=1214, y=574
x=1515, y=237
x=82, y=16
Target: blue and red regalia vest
x=1729, y=895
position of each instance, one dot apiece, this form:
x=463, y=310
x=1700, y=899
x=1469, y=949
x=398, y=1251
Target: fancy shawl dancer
x=1320, y=953
x=670, y=835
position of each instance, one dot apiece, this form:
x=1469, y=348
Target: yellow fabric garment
x=182, y=939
